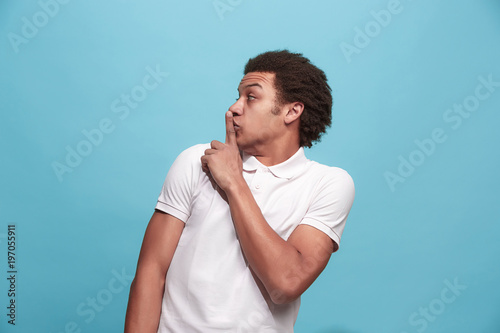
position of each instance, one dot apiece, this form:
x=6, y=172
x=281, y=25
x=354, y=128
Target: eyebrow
x=250, y=85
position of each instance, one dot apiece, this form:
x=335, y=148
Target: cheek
x=264, y=133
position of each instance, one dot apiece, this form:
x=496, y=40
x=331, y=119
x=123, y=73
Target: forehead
x=264, y=79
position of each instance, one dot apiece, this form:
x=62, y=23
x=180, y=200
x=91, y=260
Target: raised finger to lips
x=230, y=133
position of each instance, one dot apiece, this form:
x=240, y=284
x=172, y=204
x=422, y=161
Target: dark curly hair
x=298, y=80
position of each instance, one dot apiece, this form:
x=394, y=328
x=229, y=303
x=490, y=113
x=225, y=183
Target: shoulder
x=195, y=151
x=330, y=173
x=332, y=178
x=192, y=154
x=189, y=160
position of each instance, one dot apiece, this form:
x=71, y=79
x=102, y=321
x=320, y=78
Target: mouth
x=236, y=126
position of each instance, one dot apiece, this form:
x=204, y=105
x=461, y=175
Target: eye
x=250, y=97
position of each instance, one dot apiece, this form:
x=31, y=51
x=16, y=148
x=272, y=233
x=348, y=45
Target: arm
x=286, y=268
x=146, y=291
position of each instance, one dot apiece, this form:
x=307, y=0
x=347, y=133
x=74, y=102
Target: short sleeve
x=331, y=204
x=177, y=191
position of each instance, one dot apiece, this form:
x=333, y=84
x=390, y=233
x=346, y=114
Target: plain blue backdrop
x=416, y=88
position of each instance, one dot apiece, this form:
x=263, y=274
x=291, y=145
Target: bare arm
x=286, y=268
x=146, y=291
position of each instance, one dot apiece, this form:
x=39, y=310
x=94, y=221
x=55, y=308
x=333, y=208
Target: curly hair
x=298, y=80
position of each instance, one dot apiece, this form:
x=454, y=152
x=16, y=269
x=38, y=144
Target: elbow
x=286, y=288
x=285, y=294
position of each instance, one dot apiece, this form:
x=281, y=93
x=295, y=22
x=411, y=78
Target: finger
x=216, y=144
x=230, y=133
x=204, y=163
x=210, y=151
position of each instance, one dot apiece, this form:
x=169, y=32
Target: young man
x=242, y=228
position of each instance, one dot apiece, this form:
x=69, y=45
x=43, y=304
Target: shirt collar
x=286, y=169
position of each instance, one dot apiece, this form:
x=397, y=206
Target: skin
x=146, y=291
x=285, y=268
x=259, y=132
x=258, y=126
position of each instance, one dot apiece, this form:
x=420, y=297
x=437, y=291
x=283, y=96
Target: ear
x=293, y=112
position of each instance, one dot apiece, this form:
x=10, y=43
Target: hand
x=223, y=160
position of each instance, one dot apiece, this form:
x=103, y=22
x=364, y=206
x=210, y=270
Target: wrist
x=236, y=187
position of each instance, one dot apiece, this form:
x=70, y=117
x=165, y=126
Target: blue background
x=403, y=242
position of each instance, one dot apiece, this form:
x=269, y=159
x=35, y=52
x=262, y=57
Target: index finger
x=230, y=133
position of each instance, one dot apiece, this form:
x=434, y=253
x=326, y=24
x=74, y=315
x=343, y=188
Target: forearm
x=274, y=260
x=144, y=305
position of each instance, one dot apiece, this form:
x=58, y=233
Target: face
x=257, y=117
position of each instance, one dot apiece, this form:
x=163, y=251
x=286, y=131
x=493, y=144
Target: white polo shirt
x=209, y=286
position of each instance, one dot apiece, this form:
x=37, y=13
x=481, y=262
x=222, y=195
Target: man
x=242, y=228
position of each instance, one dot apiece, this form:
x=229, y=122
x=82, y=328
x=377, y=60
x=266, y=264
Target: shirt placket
x=259, y=180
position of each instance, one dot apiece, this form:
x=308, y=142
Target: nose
x=237, y=107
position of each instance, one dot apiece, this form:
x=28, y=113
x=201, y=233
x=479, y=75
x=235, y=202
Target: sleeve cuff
x=172, y=211
x=323, y=227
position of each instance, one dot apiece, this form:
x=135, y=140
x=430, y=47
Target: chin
x=242, y=145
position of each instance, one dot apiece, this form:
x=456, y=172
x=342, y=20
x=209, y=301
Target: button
x=257, y=186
